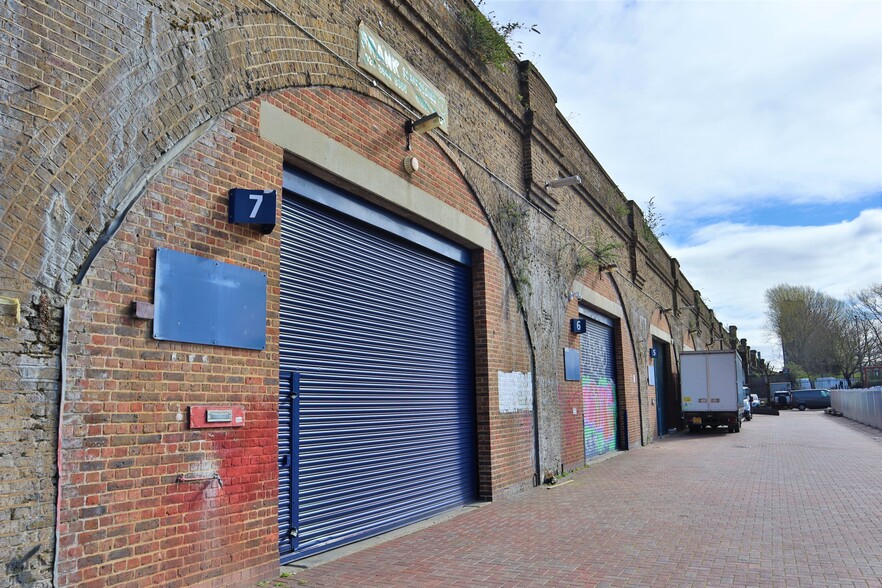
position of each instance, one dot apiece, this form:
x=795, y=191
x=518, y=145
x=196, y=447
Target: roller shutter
x=600, y=407
x=376, y=334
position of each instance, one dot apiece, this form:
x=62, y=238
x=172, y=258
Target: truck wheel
x=731, y=429
x=737, y=426
x=801, y=407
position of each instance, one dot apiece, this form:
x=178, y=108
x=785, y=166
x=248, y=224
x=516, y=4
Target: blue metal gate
x=377, y=325
x=600, y=407
x=661, y=400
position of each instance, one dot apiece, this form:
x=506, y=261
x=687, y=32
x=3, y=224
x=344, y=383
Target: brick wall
x=125, y=520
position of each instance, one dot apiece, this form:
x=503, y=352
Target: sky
x=755, y=127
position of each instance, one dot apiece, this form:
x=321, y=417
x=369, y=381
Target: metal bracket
x=182, y=478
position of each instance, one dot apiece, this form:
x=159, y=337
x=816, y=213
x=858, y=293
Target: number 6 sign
x=253, y=207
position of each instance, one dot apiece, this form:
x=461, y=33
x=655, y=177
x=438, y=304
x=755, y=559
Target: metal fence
x=863, y=406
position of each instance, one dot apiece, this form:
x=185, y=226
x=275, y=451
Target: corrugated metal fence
x=863, y=406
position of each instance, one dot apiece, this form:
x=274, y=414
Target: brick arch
x=660, y=319
x=84, y=164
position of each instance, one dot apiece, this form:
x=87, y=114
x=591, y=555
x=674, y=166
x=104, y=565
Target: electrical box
x=206, y=417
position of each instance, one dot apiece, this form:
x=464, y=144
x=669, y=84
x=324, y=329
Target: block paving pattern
x=792, y=500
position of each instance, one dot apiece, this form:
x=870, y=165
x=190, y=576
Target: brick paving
x=792, y=500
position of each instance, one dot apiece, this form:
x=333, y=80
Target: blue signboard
x=199, y=300
x=578, y=325
x=253, y=207
x=572, y=365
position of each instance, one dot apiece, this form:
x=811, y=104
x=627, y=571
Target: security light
x=561, y=182
x=424, y=124
x=421, y=125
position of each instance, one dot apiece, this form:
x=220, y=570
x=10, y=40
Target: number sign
x=253, y=207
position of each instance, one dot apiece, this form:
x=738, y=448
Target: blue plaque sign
x=572, y=365
x=199, y=300
x=253, y=207
x=578, y=325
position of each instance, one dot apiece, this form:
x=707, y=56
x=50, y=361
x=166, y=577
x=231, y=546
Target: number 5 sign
x=253, y=207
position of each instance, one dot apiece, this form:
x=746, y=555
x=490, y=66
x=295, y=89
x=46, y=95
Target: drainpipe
x=58, y=441
x=537, y=474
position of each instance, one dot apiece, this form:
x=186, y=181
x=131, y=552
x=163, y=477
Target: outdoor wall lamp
x=561, y=182
x=421, y=125
x=608, y=267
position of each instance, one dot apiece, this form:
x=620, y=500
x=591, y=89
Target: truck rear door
x=724, y=389
x=693, y=382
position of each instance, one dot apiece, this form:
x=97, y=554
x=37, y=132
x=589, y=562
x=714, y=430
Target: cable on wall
x=410, y=112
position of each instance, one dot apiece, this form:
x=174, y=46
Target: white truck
x=712, y=389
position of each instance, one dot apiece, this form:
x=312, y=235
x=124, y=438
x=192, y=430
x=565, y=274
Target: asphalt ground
x=791, y=500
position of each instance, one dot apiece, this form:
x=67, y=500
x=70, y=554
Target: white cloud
x=733, y=265
x=747, y=100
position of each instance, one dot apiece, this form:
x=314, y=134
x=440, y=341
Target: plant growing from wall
x=512, y=222
x=489, y=39
x=653, y=221
x=603, y=252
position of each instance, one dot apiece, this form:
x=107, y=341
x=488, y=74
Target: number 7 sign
x=253, y=207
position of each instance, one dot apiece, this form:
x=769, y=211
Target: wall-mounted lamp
x=421, y=125
x=608, y=267
x=693, y=331
x=561, y=182
x=665, y=310
x=574, y=296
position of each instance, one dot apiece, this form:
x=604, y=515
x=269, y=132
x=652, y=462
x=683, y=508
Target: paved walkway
x=792, y=500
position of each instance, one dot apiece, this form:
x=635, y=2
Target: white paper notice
x=515, y=391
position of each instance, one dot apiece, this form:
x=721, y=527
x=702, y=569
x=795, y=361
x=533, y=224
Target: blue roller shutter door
x=379, y=332
x=600, y=406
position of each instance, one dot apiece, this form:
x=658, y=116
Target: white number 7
x=258, y=200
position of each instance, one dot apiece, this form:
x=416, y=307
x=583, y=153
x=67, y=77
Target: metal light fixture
x=608, y=267
x=421, y=125
x=561, y=182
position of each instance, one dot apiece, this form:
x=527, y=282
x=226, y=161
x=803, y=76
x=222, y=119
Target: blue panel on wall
x=572, y=370
x=199, y=300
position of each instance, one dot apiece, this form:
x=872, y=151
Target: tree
x=852, y=344
x=806, y=323
x=867, y=308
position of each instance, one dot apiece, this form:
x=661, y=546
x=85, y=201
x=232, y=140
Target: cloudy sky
x=756, y=126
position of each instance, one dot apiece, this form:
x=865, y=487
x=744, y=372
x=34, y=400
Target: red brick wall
x=506, y=440
x=124, y=520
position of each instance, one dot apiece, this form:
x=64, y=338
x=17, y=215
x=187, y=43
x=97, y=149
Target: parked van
x=812, y=398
